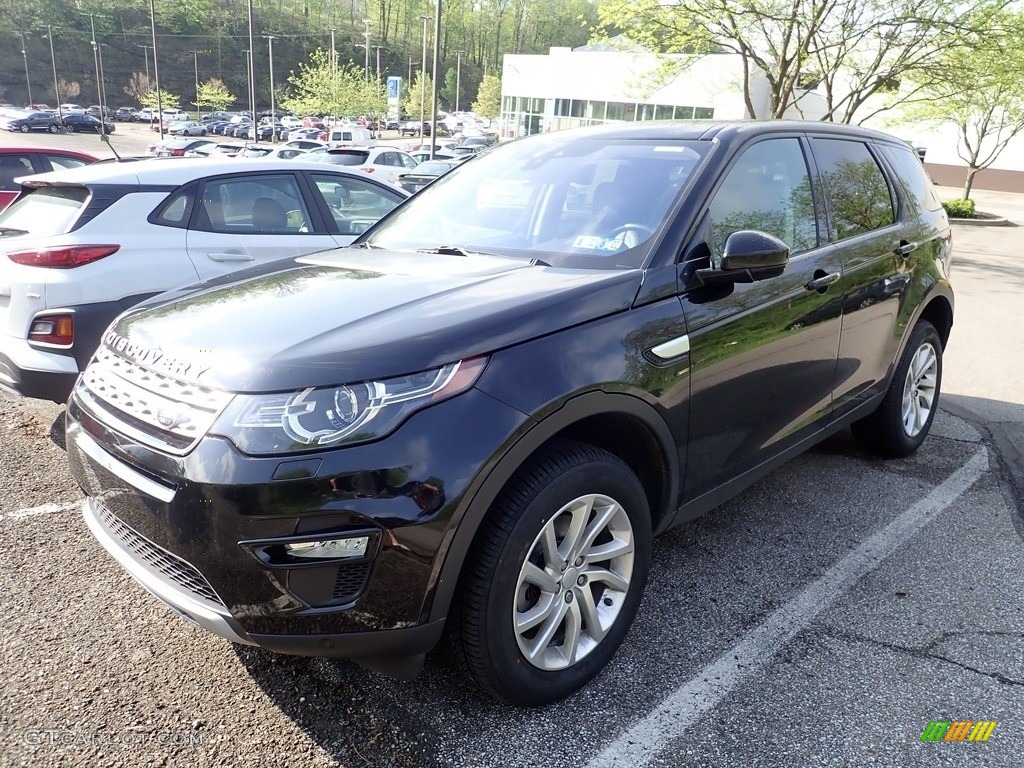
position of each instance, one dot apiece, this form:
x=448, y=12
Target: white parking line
x=43, y=509
x=641, y=743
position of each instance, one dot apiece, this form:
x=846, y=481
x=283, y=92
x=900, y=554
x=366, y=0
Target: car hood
x=354, y=315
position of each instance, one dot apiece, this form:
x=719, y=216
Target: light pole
x=433, y=95
x=103, y=85
x=252, y=77
x=156, y=70
x=458, y=77
x=96, y=62
x=24, y=55
x=145, y=52
x=334, y=76
x=423, y=80
x=366, y=35
x=56, y=88
x=377, y=48
x=273, y=106
x=195, y=62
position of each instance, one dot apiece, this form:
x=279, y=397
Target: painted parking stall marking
x=42, y=509
x=642, y=742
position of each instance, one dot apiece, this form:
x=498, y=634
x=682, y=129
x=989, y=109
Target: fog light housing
x=353, y=548
x=58, y=330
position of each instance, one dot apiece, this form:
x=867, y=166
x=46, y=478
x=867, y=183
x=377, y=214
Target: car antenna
x=106, y=140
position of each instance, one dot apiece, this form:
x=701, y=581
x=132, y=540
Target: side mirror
x=749, y=256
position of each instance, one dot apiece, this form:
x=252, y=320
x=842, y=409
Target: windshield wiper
x=363, y=244
x=12, y=231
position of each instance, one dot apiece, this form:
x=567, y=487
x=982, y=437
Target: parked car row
x=53, y=122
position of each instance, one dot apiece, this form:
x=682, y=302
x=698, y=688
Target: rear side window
x=859, y=197
x=45, y=211
x=60, y=161
x=912, y=174
x=11, y=167
x=270, y=204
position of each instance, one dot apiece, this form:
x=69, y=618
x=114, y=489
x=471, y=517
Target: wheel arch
x=622, y=424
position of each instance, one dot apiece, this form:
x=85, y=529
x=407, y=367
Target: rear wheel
x=901, y=423
x=555, y=578
x=69, y=128
x=54, y=128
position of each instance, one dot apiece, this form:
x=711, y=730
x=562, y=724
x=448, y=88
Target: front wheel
x=24, y=129
x=555, y=578
x=69, y=128
x=901, y=423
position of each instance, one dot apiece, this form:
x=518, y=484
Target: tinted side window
x=354, y=204
x=767, y=189
x=253, y=205
x=175, y=211
x=859, y=197
x=60, y=161
x=915, y=179
x=11, y=167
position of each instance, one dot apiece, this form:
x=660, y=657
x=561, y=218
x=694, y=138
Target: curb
x=996, y=221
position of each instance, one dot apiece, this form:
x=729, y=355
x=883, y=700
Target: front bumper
x=185, y=527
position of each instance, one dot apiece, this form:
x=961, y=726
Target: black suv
x=470, y=424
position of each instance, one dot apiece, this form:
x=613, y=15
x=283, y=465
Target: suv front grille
x=160, y=560
x=155, y=409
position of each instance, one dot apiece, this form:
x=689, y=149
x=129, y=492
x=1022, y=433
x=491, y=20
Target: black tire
x=24, y=128
x=482, y=638
x=884, y=432
x=55, y=128
x=69, y=128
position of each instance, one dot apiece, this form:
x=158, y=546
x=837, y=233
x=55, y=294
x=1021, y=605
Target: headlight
x=351, y=413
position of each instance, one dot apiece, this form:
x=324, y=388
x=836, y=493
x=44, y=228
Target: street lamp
x=423, y=79
x=252, y=76
x=56, y=88
x=433, y=95
x=145, y=52
x=273, y=106
x=156, y=70
x=458, y=77
x=96, y=61
x=24, y=55
x=377, y=48
x=366, y=65
x=195, y=62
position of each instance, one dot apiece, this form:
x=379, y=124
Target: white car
x=383, y=162
x=187, y=128
x=83, y=245
x=174, y=114
x=255, y=151
x=290, y=121
x=72, y=109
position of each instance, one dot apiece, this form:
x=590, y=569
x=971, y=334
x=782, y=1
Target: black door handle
x=822, y=281
x=905, y=248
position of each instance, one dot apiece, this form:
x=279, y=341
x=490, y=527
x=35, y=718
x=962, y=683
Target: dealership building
x=607, y=82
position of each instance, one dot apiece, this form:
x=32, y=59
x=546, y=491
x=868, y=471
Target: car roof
x=172, y=172
x=19, y=150
x=706, y=130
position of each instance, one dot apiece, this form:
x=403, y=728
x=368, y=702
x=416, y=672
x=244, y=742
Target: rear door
x=762, y=355
x=249, y=219
x=862, y=221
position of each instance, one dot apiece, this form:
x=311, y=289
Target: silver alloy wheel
x=573, y=583
x=919, y=389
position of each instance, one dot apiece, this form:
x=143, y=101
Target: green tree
x=488, y=98
x=980, y=91
x=848, y=50
x=418, y=97
x=214, y=95
x=166, y=100
x=323, y=87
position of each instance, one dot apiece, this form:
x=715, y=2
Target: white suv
x=383, y=162
x=81, y=246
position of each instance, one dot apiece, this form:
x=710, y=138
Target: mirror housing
x=749, y=256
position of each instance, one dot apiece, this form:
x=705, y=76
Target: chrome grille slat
x=158, y=410
x=170, y=566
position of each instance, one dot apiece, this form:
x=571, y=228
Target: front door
x=763, y=354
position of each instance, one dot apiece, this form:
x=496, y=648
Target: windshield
x=564, y=199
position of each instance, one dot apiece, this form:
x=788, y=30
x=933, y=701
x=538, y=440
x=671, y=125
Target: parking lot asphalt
x=824, y=617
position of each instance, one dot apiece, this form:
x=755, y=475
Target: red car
x=24, y=161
